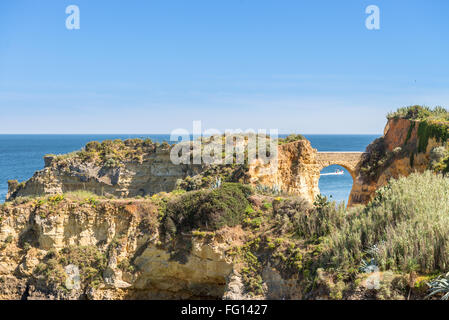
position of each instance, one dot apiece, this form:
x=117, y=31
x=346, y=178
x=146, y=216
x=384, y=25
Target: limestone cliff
x=399, y=152
x=296, y=171
x=137, y=168
x=115, y=241
x=152, y=171
x=68, y=248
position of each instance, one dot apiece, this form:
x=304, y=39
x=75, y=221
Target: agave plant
x=368, y=267
x=439, y=285
x=274, y=189
x=374, y=250
x=216, y=184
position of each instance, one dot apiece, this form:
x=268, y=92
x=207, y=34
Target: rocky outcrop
x=394, y=155
x=153, y=173
x=296, y=172
x=116, y=249
x=122, y=234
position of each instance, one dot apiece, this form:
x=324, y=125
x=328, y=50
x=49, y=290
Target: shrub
x=437, y=154
x=417, y=112
x=431, y=129
x=112, y=153
x=309, y=222
x=93, y=146
x=90, y=261
x=439, y=157
x=56, y=198
x=207, y=209
x=407, y=221
x=290, y=138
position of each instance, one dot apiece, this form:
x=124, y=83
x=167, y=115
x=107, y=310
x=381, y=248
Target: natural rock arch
x=299, y=166
x=347, y=160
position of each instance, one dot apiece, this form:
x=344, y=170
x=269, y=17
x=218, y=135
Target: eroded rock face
x=296, y=172
x=113, y=249
x=400, y=140
x=155, y=173
x=125, y=234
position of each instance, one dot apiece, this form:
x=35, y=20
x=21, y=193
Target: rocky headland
x=119, y=220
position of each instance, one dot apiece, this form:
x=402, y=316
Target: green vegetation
x=406, y=226
x=290, y=138
x=251, y=271
x=112, y=153
x=431, y=124
x=207, y=209
x=213, y=177
x=376, y=159
x=404, y=230
x=440, y=285
x=126, y=265
x=431, y=129
x=420, y=113
x=90, y=261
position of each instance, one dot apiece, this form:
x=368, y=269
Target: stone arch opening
x=336, y=187
x=349, y=160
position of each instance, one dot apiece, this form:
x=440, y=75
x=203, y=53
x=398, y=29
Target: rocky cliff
x=86, y=232
x=144, y=169
x=401, y=151
x=138, y=168
x=141, y=168
x=103, y=250
x=296, y=171
x=72, y=248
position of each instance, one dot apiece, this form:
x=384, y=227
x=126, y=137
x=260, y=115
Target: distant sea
x=22, y=155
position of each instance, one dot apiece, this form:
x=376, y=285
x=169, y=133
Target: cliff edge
x=414, y=140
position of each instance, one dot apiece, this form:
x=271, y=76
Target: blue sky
x=153, y=66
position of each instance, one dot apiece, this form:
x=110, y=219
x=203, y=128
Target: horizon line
x=73, y=134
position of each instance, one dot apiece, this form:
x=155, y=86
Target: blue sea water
x=22, y=155
x=338, y=187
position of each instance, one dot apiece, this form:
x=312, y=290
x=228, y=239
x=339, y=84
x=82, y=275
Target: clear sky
x=153, y=66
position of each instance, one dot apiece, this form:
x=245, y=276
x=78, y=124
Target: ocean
x=22, y=155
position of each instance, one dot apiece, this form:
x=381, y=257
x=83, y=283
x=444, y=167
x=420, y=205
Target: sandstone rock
x=398, y=133
x=296, y=172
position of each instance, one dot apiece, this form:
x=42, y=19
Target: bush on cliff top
x=431, y=124
x=290, y=138
x=417, y=112
x=207, y=209
x=111, y=153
